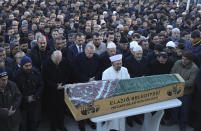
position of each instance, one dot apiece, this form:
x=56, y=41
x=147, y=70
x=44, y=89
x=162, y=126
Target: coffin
x=96, y=98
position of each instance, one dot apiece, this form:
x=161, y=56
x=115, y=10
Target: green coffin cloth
x=144, y=83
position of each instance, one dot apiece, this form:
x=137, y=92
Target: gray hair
x=41, y=37
x=175, y=30
x=33, y=43
x=2, y=49
x=19, y=53
x=90, y=46
x=57, y=53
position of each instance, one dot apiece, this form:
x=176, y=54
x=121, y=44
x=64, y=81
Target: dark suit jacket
x=85, y=68
x=72, y=52
x=136, y=68
x=105, y=61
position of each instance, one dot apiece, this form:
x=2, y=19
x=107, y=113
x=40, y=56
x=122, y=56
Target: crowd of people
x=45, y=44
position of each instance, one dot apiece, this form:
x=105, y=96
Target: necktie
x=80, y=49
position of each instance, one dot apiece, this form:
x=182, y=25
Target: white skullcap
x=111, y=45
x=184, y=13
x=172, y=10
x=198, y=5
x=130, y=32
x=102, y=22
x=104, y=12
x=142, y=37
x=169, y=26
x=133, y=43
x=155, y=20
x=120, y=26
x=116, y=57
x=176, y=30
x=137, y=48
x=114, y=12
x=26, y=13
x=42, y=3
x=171, y=44
x=60, y=16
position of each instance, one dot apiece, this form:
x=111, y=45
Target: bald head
x=56, y=57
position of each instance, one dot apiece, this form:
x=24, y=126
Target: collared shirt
x=79, y=48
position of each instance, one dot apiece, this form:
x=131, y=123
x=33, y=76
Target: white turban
x=130, y=32
x=111, y=45
x=133, y=43
x=116, y=57
x=120, y=26
x=137, y=48
x=171, y=44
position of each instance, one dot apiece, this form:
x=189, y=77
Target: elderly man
x=87, y=68
x=55, y=72
x=176, y=37
x=188, y=70
x=137, y=66
x=87, y=65
x=169, y=29
x=116, y=71
x=132, y=44
x=137, y=63
x=104, y=57
x=10, y=99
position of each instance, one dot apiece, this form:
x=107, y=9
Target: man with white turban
x=116, y=71
x=136, y=63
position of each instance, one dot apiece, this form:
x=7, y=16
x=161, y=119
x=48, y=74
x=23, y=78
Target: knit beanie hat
x=25, y=60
